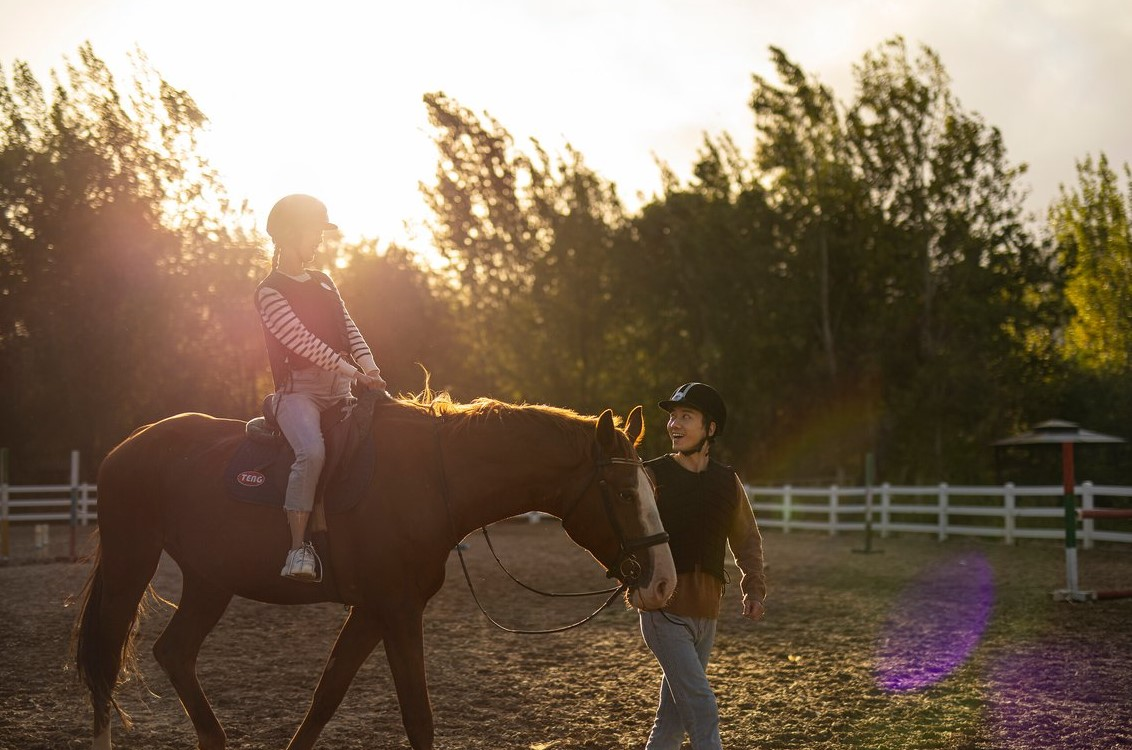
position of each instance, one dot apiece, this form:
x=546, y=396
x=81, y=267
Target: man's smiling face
x=687, y=428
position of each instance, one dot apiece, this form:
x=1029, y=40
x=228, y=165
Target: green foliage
x=124, y=274
x=1091, y=231
x=408, y=324
x=1088, y=378
x=861, y=281
x=831, y=270
x=963, y=275
x=535, y=244
x=703, y=295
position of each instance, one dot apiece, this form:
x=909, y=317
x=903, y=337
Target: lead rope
x=467, y=576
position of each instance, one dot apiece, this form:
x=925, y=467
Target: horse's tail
x=105, y=655
x=96, y=667
x=116, y=594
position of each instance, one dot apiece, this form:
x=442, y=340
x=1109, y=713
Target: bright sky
x=324, y=96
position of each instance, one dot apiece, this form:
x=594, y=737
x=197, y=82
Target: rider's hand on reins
x=371, y=380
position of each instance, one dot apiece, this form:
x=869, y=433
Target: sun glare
x=328, y=102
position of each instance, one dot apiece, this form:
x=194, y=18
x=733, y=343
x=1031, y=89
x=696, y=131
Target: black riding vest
x=318, y=306
x=697, y=510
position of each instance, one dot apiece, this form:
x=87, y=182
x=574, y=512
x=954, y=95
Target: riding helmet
x=702, y=397
x=294, y=213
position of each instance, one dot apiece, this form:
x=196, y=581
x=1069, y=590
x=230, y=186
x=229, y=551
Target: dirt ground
x=921, y=645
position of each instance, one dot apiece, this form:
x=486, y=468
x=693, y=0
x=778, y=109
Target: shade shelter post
x=1067, y=434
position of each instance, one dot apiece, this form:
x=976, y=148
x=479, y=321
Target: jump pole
x=1107, y=513
x=1104, y=513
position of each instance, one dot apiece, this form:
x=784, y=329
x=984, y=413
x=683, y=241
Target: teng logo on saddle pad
x=250, y=478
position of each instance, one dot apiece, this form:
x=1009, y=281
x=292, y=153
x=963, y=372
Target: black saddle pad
x=258, y=472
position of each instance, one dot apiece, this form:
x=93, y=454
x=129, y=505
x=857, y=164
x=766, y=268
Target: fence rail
x=1007, y=512
x=49, y=502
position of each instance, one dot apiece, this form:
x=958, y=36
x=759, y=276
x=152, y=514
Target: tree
x=704, y=297
x=408, y=324
x=533, y=241
x=827, y=231
x=1088, y=361
x=1091, y=230
x=124, y=270
x=862, y=281
x=961, y=270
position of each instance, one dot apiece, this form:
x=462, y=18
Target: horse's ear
x=635, y=429
x=605, y=432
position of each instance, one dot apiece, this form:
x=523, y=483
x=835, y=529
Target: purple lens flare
x=935, y=624
x=1057, y=693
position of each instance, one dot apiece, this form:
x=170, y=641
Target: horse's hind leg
x=176, y=650
x=359, y=636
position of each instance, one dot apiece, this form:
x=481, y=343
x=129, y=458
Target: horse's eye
x=628, y=495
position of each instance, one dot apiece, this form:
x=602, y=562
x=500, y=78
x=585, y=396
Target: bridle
x=626, y=568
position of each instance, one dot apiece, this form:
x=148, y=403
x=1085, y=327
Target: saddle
x=259, y=469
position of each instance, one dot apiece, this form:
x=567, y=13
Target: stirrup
x=298, y=558
x=310, y=550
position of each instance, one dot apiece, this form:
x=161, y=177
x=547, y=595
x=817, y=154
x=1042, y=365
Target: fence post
x=941, y=500
x=84, y=505
x=74, y=504
x=885, y=506
x=5, y=541
x=787, y=497
x=1087, y=525
x=870, y=471
x=1008, y=510
x=834, y=501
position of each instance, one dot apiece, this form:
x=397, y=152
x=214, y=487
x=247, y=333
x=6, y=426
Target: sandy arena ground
x=923, y=645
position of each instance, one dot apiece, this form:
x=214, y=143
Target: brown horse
x=443, y=470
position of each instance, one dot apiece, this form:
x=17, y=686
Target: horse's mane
x=441, y=404
x=458, y=415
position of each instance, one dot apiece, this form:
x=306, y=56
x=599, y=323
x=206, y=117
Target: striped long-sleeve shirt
x=281, y=322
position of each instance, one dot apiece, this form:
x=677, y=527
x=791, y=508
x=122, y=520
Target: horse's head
x=616, y=519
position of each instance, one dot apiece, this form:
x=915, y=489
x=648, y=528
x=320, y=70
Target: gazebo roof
x=1059, y=431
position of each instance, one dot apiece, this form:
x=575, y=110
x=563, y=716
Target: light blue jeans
x=299, y=411
x=682, y=646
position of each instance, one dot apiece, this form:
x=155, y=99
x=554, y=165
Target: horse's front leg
x=359, y=636
x=404, y=647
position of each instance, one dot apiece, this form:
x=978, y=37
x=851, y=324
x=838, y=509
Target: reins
x=626, y=550
x=548, y=631
x=532, y=589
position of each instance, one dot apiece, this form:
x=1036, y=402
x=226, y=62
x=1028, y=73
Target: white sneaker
x=300, y=564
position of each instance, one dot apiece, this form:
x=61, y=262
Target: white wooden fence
x=47, y=503
x=1006, y=512
x=43, y=503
